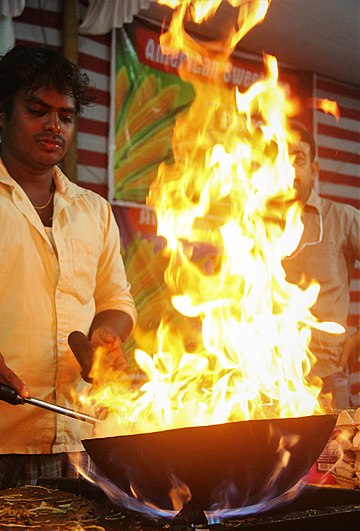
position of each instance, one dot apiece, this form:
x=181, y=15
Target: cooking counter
x=60, y=504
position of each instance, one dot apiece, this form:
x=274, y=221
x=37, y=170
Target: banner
x=146, y=103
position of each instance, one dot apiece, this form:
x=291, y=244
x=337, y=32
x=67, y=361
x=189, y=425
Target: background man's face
x=305, y=169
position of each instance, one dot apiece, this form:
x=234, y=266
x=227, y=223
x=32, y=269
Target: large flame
x=236, y=347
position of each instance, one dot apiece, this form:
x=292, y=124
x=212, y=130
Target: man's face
x=38, y=132
x=305, y=169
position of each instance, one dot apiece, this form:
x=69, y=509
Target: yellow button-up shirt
x=50, y=286
x=327, y=252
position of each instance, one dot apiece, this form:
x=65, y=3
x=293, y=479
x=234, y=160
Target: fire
x=236, y=347
x=328, y=106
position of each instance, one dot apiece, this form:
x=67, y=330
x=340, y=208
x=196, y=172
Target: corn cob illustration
x=153, y=282
x=151, y=131
x=140, y=259
x=139, y=93
x=144, y=266
x=137, y=254
x=152, y=308
x=147, y=90
x=145, y=270
x=157, y=107
x=139, y=193
x=145, y=114
x=154, y=150
x=139, y=168
x=121, y=88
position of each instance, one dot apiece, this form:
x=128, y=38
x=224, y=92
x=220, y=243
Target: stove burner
x=191, y=514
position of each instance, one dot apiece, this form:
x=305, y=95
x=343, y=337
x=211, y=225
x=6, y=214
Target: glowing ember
x=328, y=106
x=238, y=347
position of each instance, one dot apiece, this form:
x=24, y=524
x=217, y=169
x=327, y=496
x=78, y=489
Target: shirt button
x=63, y=340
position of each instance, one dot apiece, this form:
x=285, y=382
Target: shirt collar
x=63, y=185
x=4, y=175
x=314, y=201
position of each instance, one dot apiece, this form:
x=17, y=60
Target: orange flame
x=236, y=347
x=328, y=106
x=177, y=40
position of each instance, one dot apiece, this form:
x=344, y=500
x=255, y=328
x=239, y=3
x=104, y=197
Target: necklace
x=47, y=202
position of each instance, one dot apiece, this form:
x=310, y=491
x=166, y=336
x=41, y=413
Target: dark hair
x=31, y=68
x=303, y=134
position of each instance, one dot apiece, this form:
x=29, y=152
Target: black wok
x=241, y=458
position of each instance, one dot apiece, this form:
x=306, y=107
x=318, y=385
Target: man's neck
x=25, y=176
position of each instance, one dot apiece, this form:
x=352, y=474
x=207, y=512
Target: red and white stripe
x=339, y=143
x=339, y=179
x=339, y=158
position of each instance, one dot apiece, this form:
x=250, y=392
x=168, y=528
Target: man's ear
x=314, y=169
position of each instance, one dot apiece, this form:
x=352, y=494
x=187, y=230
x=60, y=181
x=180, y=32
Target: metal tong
x=8, y=394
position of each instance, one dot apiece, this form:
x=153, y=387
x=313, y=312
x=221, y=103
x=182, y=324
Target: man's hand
x=8, y=377
x=112, y=354
x=351, y=350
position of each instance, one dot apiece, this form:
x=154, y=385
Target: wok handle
x=9, y=395
x=84, y=353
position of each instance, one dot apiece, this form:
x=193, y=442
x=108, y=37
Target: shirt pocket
x=319, y=262
x=85, y=264
x=324, y=262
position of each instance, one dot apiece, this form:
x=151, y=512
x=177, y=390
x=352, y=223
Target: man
x=329, y=246
x=60, y=267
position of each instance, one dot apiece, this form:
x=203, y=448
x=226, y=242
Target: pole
x=70, y=51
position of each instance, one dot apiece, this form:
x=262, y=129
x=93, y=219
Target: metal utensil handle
x=61, y=410
x=12, y=397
